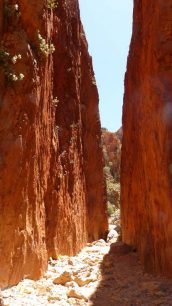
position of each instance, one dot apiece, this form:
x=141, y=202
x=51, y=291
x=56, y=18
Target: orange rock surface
x=147, y=137
x=112, y=151
x=51, y=170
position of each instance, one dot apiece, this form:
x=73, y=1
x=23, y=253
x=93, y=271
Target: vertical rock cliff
x=51, y=177
x=112, y=158
x=147, y=141
x=112, y=151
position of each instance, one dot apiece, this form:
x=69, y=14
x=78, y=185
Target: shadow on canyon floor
x=125, y=284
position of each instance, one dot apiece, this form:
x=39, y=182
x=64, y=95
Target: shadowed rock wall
x=147, y=137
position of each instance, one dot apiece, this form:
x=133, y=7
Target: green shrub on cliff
x=52, y=4
x=11, y=9
x=45, y=47
x=6, y=62
x=110, y=209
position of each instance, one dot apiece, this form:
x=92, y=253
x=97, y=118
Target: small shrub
x=106, y=171
x=73, y=125
x=11, y=9
x=6, y=60
x=15, y=58
x=55, y=101
x=45, y=48
x=110, y=209
x=4, y=57
x=15, y=77
x=52, y=4
x=94, y=81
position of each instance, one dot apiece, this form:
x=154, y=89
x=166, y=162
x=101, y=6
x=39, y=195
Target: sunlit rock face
x=112, y=151
x=112, y=160
x=51, y=171
x=147, y=140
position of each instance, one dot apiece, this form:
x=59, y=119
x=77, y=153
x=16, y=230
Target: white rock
x=112, y=234
x=100, y=242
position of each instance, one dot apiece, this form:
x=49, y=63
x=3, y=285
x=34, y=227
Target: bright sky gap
x=108, y=27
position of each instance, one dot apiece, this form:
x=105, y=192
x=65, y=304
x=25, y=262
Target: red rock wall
x=147, y=139
x=51, y=177
x=112, y=151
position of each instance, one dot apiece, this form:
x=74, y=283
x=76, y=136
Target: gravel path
x=102, y=274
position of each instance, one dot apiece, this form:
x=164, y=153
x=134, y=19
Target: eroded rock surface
x=147, y=137
x=51, y=178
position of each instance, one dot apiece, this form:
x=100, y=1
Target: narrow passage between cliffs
x=51, y=203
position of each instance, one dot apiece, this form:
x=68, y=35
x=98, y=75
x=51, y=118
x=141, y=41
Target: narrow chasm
x=85, y=213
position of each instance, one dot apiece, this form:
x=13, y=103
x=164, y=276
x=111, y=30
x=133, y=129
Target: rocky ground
x=102, y=274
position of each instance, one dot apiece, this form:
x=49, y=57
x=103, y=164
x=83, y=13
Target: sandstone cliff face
x=112, y=151
x=112, y=157
x=51, y=182
x=147, y=140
